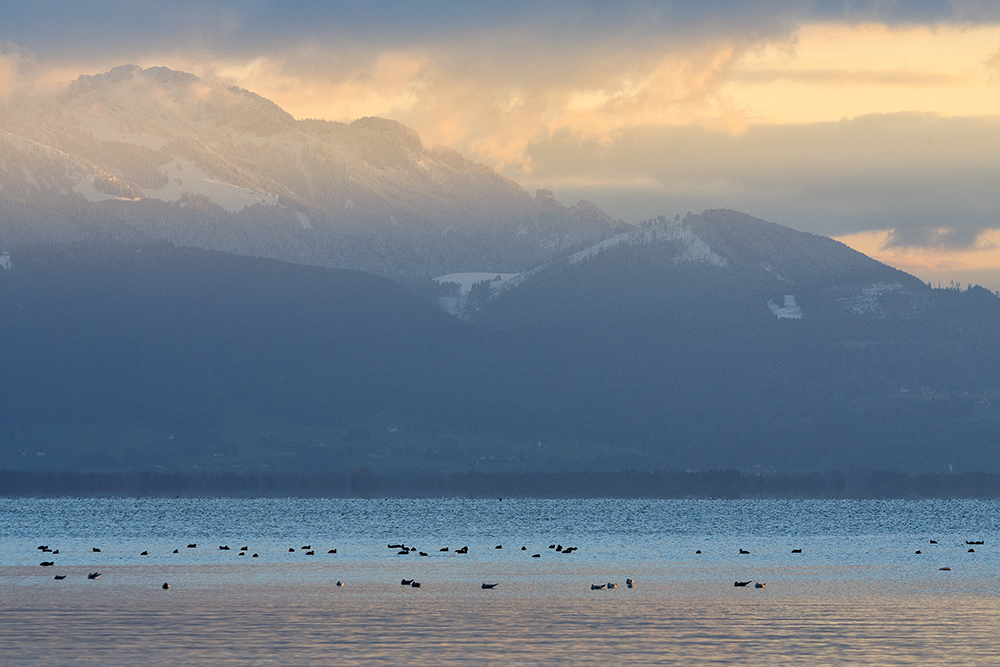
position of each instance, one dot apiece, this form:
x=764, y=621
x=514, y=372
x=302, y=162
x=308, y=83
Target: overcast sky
x=875, y=122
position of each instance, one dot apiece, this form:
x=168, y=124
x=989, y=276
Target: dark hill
x=716, y=342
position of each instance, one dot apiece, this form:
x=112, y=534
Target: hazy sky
x=877, y=122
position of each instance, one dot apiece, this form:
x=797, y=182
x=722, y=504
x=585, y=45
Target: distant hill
x=715, y=342
x=138, y=155
x=724, y=340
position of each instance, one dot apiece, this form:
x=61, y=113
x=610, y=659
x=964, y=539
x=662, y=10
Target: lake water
x=856, y=594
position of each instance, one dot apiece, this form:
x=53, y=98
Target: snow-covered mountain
x=128, y=149
x=785, y=272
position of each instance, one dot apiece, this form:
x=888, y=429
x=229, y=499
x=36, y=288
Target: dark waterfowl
x=796, y=551
x=415, y=584
x=307, y=547
x=759, y=585
x=176, y=551
x=944, y=569
x=698, y=551
x=93, y=575
x=291, y=550
x=933, y=541
x=96, y=550
x=340, y=583
x=144, y=553
x=596, y=587
x=406, y=582
x=611, y=585
x=332, y=551
x=421, y=553
x=489, y=585
x=42, y=547
x=918, y=551
x=744, y=551
x=404, y=552
x=499, y=546
x=59, y=577
x=630, y=583
x=244, y=548
x=224, y=547
x=396, y=546
x=979, y=542
x=192, y=546
x=443, y=549
x=254, y=556
x=536, y=555
x=55, y=552
x=972, y=551
x=741, y=584
x=47, y=563
x=463, y=550
x=524, y=548
x=165, y=586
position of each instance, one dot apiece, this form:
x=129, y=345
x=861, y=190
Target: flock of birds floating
x=404, y=550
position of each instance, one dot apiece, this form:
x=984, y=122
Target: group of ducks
x=629, y=583
x=404, y=550
x=757, y=584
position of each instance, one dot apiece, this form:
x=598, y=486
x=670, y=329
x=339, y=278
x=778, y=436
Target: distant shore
x=363, y=483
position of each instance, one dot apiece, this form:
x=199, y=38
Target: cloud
x=977, y=264
x=827, y=115
x=910, y=172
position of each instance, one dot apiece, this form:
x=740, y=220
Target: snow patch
x=789, y=311
x=187, y=178
x=455, y=304
x=866, y=301
x=467, y=280
x=304, y=220
x=692, y=248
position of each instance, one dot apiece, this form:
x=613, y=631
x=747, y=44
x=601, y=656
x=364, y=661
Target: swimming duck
x=759, y=585
x=93, y=575
x=489, y=585
x=741, y=584
x=165, y=586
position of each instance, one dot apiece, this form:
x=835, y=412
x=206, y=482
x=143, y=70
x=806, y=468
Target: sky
x=876, y=122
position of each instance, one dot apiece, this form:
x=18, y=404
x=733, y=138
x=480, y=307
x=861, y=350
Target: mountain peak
x=134, y=138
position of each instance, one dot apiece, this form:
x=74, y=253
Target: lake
x=856, y=594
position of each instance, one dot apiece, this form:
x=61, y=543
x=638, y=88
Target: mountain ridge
x=151, y=135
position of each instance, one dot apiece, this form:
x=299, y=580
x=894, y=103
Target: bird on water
x=741, y=584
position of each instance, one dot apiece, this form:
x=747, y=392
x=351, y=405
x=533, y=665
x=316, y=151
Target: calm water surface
x=857, y=594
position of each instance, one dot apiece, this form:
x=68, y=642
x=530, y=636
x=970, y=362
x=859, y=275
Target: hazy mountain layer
x=719, y=341
x=152, y=154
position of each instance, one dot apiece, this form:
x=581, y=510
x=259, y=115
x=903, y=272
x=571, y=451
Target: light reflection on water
x=857, y=594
